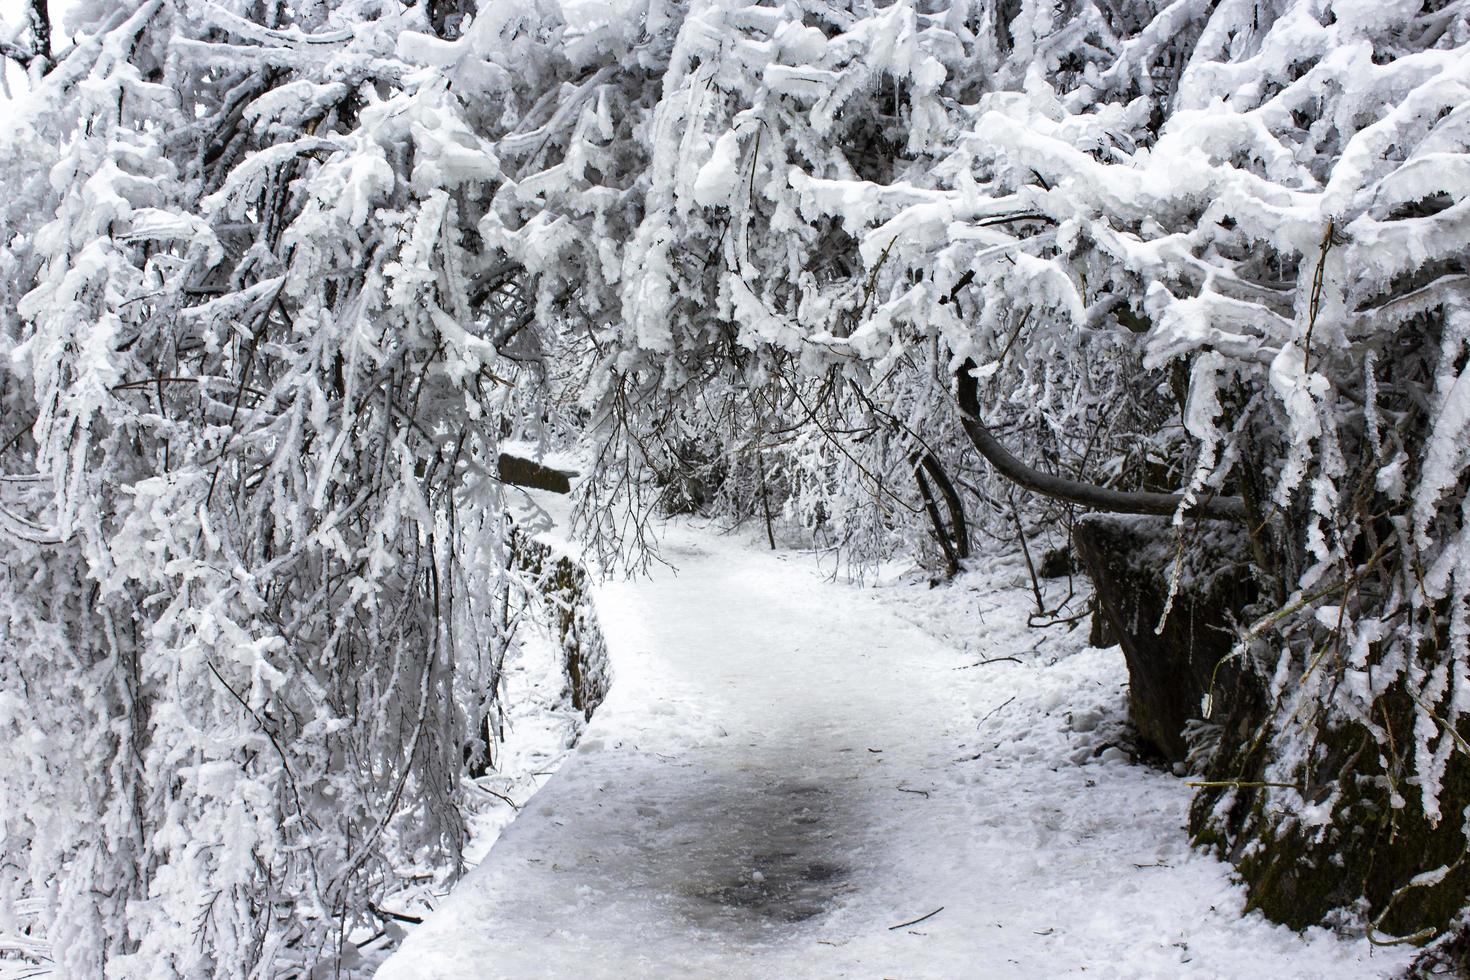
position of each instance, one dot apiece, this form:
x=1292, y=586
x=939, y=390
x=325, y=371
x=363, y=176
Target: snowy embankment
x=788, y=771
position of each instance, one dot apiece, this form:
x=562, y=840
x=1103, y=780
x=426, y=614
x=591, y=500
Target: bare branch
x=1075, y=491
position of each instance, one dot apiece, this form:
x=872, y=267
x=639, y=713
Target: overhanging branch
x=1075, y=491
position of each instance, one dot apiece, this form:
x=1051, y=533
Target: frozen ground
x=788, y=769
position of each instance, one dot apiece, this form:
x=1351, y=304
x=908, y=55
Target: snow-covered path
x=786, y=769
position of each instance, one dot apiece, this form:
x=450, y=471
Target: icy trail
x=787, y=768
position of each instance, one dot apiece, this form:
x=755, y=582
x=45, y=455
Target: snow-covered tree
x=253, y=384
x=280, y=276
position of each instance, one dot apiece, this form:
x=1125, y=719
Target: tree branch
x=939, y=533
x=38, y=19
x=1061, y=488
x=954, y=540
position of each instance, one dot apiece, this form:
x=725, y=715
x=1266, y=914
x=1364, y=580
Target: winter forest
x=907, y=488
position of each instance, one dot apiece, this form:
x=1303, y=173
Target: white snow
x=720, y=175
x=789, y=767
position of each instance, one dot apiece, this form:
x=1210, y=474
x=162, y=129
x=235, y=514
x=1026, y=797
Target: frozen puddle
x=777, y=857
x=786, y=772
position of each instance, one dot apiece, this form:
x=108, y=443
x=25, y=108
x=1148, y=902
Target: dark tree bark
x=1075, y=491
x=38, y=51
x=954, y=539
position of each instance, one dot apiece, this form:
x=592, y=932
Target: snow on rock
x=787, y=769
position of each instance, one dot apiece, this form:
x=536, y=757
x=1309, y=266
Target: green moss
x=1367, y=854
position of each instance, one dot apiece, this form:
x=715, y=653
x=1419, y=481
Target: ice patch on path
x=789, y=772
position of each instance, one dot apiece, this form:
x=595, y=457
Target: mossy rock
x=1366, y=854
x=565, y=584
x=1363, y=858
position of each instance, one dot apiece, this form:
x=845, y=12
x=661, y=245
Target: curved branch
x=954, y=540
x=932, y=507
x=1075, y=491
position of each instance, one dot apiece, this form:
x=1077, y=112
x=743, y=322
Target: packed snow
x=790, y=770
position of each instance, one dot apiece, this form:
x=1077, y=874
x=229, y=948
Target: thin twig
x=992, y=660
x=1314, y=303
x=914, y=922
x=997, y=708
x=499, y=796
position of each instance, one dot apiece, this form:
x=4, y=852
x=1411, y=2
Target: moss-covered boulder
x=1346, y=829
x=566, y=588
x=1370, y=849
